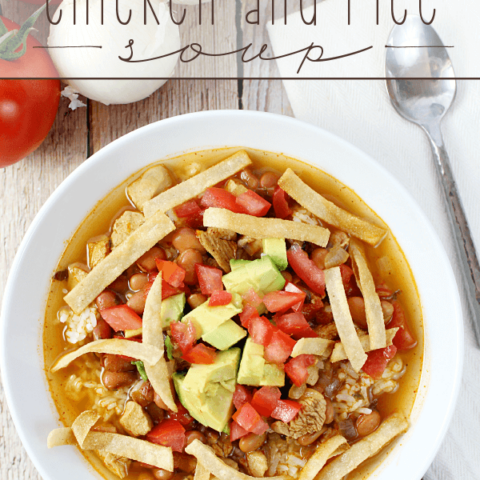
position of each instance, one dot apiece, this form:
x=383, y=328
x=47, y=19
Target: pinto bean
x=250, y=179
x=357, y=310
x=318, y=257
x=102, y=330
x=387, y=309
x=251, y=442
x=119, y=285
x=192, y=435
x=287, y=276
x=115, y=363
x=186, y=239
x=269, y=180
x=329, y=413
x=138, y=281
x=159, y=402
x=367, y=424
x=113, y=380
x=146, y=262
x=143, y=393
x=105, y=300
x=162, y=474
x=196, y=299
x=309, y=439
x=155, y=412
x=137, y=302
x=187, y=260
x=184, y=462
x=146, y=476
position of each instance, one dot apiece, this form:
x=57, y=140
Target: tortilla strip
x=328, y=211
x=261, y=227
x=323, y=452
x=83, y=423
x=369, y=446
x=115, y=263
x=148, y=354
x=196, y=185
x=61, y=436
x=339, y=352
x=201, y=473
x=311, y=346
x=373, y=308
x=206, y=456
x=343, y=319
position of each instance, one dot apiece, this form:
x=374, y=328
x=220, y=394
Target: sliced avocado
x=255, y=371
x=234, y=264
x=205, y=318
x=206, y=391
x=225, y=335
x=262, y=275
x=276, y=249
x=172, y=309
x=178, y=380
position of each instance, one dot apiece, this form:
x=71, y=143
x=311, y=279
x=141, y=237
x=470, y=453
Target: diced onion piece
x=328, y=211
x=336, y=257
x=311, y=346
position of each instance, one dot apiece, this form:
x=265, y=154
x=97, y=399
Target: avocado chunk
x=255, y=371
x=234, y=264
x=205, y=318
x=262, y=275
x=225, y=336
x=172, y=309
x=276, y=249
x=206, y=391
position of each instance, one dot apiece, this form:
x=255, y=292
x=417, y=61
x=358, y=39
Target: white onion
x=150, y=40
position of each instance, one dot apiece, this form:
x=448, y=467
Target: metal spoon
x=415, y=50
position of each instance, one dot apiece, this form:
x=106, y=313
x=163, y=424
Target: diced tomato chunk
x=251, y=297
x=265, y=400
x=260, y=329
x=290, y=287
x=292, y=323
x=182, y=415
x=167, y=289
x=306, y=270
x=404, y=339
x=286, y=410
x=279, y=348
x=249, y=419
x=188, y=209
x=247, y=314
x=281, y=301
x=184, y=335
x=241, y=395
x=209, y=278
x=349, y=282
x=172, y=273
x=297, y=368
x=346, y=272
x=253, y=204
x=121, y=317
x=236, y=431
x=200, y=354
x=220, y=198
x=219, y=298
x=377, y=361
x=169, y=433
x=280, y=203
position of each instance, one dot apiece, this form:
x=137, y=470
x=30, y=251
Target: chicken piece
x=221, y=250
x=222, y=233
x=124, y=225
x=339, y=238
x=329, y=331
x=75, y=276
x=313, y=372
x=117, y=465
x=257, y=463
x=310, y=418
x=235, y=187
x=222, y=446
x=97, y=250
x=154, y=181
x=252, y=246
x=135, y=420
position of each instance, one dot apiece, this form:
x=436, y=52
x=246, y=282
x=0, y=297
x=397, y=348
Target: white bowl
x=25, y=296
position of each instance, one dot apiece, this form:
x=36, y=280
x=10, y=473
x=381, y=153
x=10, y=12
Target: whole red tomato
x=27, y=107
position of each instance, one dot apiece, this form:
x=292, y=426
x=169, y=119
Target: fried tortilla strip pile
x=261, y=227
x=201, y=473
x=328, y=211
x=148, y=354
x=343, y=319
x=82, y=425
x=114, y=264
x=196, y=185
x=373, y=308
x=153, y=335
x=339, y=352
x=367, y=447
x=311, y=346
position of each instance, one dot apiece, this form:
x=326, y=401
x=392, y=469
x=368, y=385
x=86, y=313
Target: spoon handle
x=463, y=239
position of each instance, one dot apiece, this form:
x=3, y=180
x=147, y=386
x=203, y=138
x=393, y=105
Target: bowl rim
x=272, y=123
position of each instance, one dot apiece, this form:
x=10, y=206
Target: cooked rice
x=78, y=327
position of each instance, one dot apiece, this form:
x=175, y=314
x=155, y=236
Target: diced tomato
x=281, y=301
x=260, y=329
x=306, y=270
x=291, y=287
x=182, y=415
x=247, y=314
x=310, y=311
x=220, y=298
x=169, y=433
x=200, y=354
x=265, y=400
x=349, y=282
x=249, y=419
x=184, y=335
x=209, y=278
x=346, y=272
x=377, y=361
x=236, y=431
x=286, y=410
x=297, y=368
x=241, y=395
x=404, y=339
x=188, y=209
x=220, y=198
x=251, y=297
x=253, y=204
x=279, y=348
x=280, y=203
x=167, y=289
x=121, y=317
x=292, y=323
x=172, y=273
